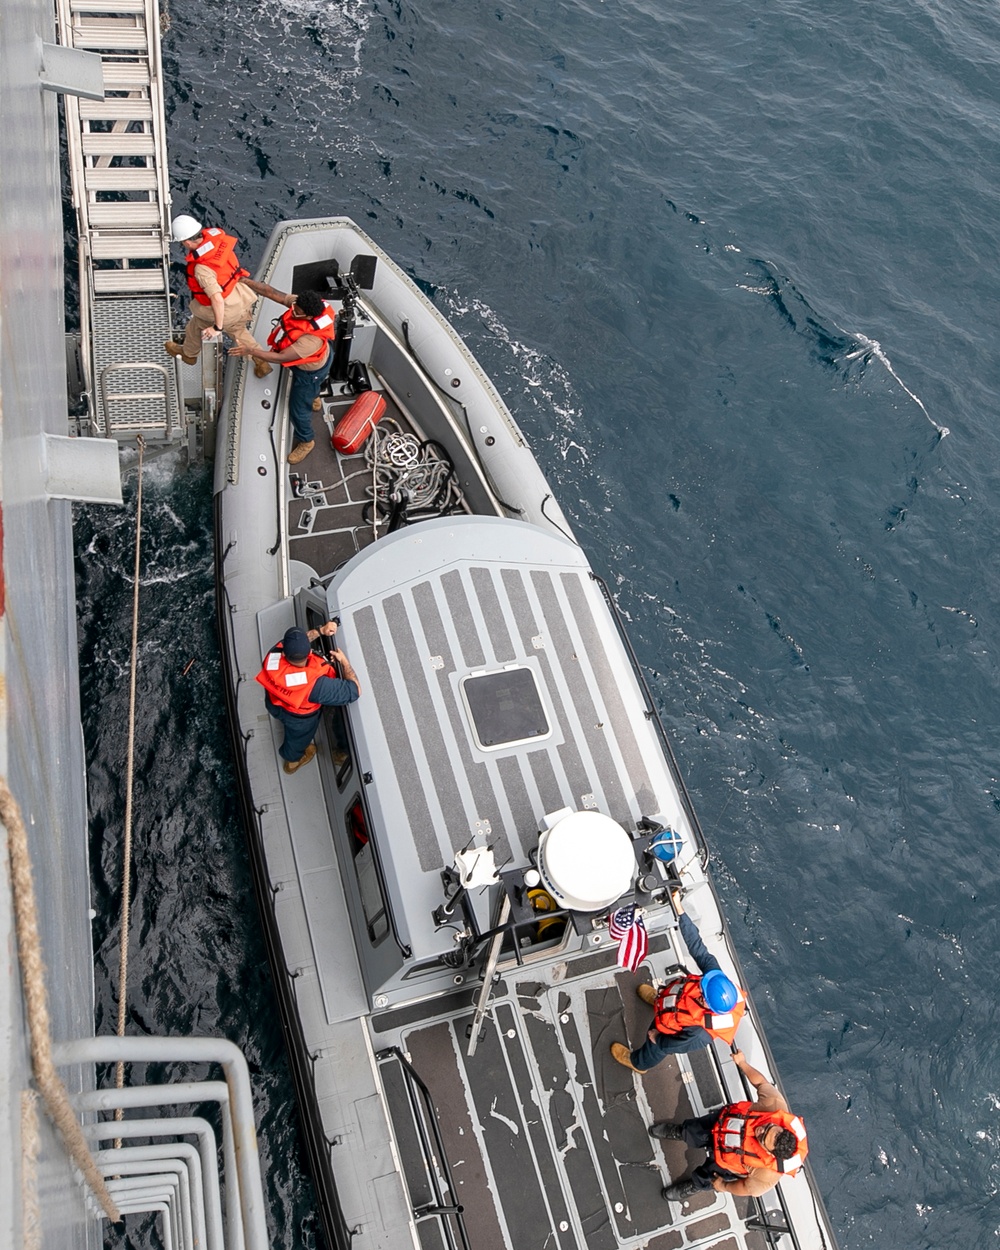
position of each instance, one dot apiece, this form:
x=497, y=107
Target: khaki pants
x=234, y=324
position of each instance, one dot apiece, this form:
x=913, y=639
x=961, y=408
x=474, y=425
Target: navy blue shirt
x=700, y=953
x=335, y=692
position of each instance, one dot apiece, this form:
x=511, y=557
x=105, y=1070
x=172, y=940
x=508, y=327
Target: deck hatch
x=505, y=707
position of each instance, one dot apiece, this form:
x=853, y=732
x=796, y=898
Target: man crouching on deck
x=751, y=1145
x=299, y=684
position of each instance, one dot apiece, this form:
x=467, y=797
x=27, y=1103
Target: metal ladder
x=118, y=170
x=170, y=1175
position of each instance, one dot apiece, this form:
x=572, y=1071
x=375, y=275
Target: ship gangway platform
x=121, y=194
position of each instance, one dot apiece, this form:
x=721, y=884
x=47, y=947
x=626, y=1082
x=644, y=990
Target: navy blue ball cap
x=295, y=644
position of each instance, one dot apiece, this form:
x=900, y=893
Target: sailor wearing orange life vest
x=298, y=684
x=751, y=1145
x=221, y=301
x=690, y=1010
x=300, y=342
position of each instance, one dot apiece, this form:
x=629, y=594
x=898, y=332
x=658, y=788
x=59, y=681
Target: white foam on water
x=873, y=347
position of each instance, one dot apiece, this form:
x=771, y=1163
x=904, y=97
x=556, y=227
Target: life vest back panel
x=217, y=250
x=680, y=1004
x=736, y=1147
x=289, y=684
x=289, y=328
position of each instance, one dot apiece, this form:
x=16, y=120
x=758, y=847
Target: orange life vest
x=736, y=1148
x=217, y=251
x=289, y=328
x=289, y=684
x=680, y=1004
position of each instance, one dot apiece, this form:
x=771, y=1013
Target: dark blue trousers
x=299, y=730
x=305, y=387
x=650, y=1054
x=698, y=1133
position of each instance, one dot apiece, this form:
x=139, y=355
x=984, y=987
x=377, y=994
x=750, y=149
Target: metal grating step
x=123, y=330
x=117, y=145
x=130, y=216
x=119, y=179
x=126, y=281
x=115, y=109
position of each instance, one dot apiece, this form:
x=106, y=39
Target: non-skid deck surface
x=325, y=523
x=548, y=1136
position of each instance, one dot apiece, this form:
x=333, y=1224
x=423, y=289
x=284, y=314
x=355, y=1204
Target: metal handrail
x=441, y=1209
x=177, y=1126
x=180, y=1159
x=125, y=396
x=244, y=1192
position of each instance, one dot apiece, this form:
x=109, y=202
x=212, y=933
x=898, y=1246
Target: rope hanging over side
x=29, y=949
x=129, y=775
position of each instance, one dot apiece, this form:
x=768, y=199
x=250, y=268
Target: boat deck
x=329, y=496
x=546, y=1135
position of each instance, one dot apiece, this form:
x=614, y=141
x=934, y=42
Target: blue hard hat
x=719, y=992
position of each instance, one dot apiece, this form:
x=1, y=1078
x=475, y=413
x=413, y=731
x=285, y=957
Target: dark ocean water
x=733, y=270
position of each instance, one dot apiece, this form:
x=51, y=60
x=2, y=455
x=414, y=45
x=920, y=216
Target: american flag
x=627, y=927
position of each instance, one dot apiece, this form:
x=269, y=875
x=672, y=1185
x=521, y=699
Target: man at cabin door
x=301, y=341
x=298, y=684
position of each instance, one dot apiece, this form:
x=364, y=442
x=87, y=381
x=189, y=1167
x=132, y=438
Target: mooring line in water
x=129, y=774
x=29, y=950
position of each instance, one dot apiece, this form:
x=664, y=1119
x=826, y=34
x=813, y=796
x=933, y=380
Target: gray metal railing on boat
x=442, y=1209
x=168, y=1176
x=654, y=715
x=772, y=1222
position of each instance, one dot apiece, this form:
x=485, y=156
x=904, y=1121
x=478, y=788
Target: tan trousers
x=238, y=310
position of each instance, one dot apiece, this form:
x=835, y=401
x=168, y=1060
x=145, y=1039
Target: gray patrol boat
x=435, y=887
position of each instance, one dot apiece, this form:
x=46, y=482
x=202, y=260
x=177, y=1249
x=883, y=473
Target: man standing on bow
x=302, y=340
x=690, y=1010
x=221, y=299
x=298, y=684
x=751, y=1145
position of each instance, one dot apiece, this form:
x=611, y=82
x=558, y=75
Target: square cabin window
x=505, y=707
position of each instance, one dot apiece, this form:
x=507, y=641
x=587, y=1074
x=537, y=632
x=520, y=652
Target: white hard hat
x=184, y=227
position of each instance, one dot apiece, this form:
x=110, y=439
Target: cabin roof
x=430, y=620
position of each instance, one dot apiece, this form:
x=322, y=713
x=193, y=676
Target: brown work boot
x=317, y=404
x=294, y=765
x=647, y=994
x=261, y=368
x=300, y=451
x=176, y=349
x=623, y=1055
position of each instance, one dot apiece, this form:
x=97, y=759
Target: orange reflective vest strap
x=289, y=684
x=217, y=250
x=736, y=1147
x=680, y=1005
x=289, y=328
